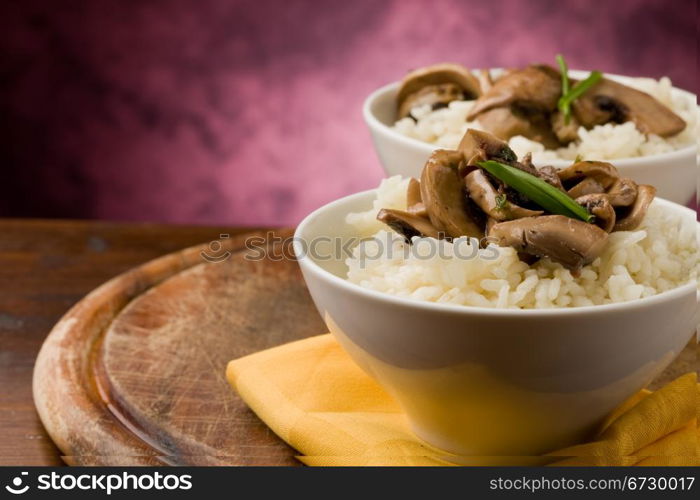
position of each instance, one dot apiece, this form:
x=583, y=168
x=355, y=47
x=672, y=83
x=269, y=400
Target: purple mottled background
x=248, y=112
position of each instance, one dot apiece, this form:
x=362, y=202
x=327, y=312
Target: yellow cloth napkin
x=314, y=397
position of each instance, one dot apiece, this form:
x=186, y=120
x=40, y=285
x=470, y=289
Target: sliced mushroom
x=565, y=132
x=490, y=222
x=602, y=172
x=413, y=193
x=635, y=214
x=608, y=101
x=436, y=96
x=443, y=194
x=439, y=74
x=599, y=205
x=570, y=242
x=535, y=87
x=495, y=205
x=414, y=201
x=477, y=145
x=407, y=224
x=587, y=186
x=485, y=80
x=550, y=175
x=509, y=121
x=623, y=192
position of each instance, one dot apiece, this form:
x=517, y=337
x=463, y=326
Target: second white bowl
x=674, y=174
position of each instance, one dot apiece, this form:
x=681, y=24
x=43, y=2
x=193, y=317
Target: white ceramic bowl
x=674, y=174
x=478, y=381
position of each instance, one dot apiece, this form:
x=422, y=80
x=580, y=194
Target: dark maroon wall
x=249, y=112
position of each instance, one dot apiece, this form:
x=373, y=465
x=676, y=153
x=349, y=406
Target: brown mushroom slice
x=587, y=186
x=602, y=172
x=484, y=194
x=609, y=101
x=535, y=87
x=436, y=96
x=550, y=175
x=477, y=145
x=572, y=243
x=599, y=205
x=406, y=224
x=414, y=201
x=485, y=80
x=565, y=132
x=444, y=197
x=439, y=74
x=509, y=121
x=490, y=222
x=623, y=192
x=635, y=214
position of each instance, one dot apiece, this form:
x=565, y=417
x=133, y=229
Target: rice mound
x=445, y=127
x=660, y=255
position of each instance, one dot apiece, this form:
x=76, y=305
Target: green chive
x=564, y=70
x=537, y=190
x=577, y=91
x=564, y=74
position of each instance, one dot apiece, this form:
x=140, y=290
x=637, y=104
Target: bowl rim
x=375, y=123
x=307, y=263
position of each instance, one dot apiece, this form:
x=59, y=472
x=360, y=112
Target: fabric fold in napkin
x=314, y=397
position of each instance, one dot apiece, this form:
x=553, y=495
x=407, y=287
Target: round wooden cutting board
x=134, y=373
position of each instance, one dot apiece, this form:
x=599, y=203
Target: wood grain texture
x=46, y=266
x=134, y=374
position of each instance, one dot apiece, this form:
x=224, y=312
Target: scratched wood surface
x=46, y=266
x=134, y=373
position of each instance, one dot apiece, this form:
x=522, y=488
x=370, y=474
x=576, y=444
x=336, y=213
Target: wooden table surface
x=46, y=266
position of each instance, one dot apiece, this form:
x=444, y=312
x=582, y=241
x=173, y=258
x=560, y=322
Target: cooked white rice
x=660, y=255
x=445, y=128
